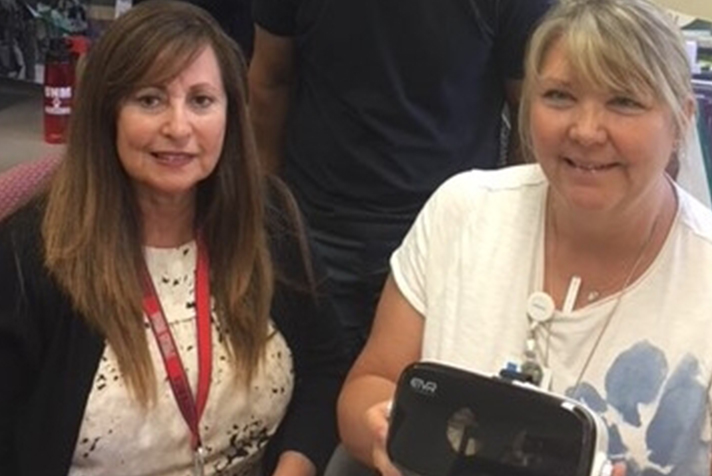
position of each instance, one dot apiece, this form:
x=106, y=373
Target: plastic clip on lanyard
x=191, y=408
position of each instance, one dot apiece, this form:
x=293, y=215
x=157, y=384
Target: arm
x=304, y=315
x=271, y=77
x=18, y=338
x=292, y=463
x=308, y=434
x=513, y=92
x=11, y=368
x=395, y=342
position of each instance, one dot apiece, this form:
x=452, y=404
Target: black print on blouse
x=86, y=441
x=244, y=441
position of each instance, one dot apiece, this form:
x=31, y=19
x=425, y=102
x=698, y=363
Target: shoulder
x=282, y=216
x=515, y=22
x=287, y=239
x=523, y=10
x=503, y=185
x=20, y=232
x=694, y=217
x=506, y=178
x=279, y=17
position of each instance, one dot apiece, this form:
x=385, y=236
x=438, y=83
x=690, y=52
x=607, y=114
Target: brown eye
x=203, y=101
x=148, y=101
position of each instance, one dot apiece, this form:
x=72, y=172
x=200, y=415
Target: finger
x=377, y=419
x=619, y=469
x=383, y=464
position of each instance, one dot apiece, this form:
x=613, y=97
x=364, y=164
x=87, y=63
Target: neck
x=612, y=234
x=167, y=221
x=607, y=252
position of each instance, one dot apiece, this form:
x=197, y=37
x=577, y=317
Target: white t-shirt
x=118, y=436
x=475, y=254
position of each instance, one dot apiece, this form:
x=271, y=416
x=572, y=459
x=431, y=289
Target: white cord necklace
x=532, y=365
x=613, y=310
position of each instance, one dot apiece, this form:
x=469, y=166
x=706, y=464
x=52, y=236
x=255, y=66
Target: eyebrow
x=206, y=85
x=556, y=81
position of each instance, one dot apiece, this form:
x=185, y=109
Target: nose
x=588, y=127
x=177, y=122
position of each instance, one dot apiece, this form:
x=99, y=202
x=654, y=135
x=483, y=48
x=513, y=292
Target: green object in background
x=67, y=18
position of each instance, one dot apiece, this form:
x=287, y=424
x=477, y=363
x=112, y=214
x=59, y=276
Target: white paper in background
x=681, y=19
x=691, y=47
x=122, y=6
x=693, y=175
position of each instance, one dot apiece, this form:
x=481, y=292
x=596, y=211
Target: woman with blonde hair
x=158, y=309
x=595, y=237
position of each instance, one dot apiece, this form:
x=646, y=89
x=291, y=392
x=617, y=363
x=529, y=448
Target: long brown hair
x=92, y=226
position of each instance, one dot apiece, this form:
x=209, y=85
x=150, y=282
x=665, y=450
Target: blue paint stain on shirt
x=635, y=378
x=587, y=393
x=616, y=448
x=682, y=403
x=674, y=436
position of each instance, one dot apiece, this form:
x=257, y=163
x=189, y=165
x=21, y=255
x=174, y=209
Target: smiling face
x=601, y=150
x=169, y=137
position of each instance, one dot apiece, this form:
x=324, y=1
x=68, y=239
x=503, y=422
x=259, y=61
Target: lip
x=589, y=167
x=173, y=157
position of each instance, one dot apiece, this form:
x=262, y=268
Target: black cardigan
x=49, y=357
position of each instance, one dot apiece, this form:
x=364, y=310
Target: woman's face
x=601, y=150
x=170, y=136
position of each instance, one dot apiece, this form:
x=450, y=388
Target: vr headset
x=449, y=422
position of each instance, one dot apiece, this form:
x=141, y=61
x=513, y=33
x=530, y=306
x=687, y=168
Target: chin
x=588, y=199
x=173, y=191
x=590, y=203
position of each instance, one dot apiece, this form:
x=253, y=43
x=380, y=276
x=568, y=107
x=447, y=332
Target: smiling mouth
x=172, y=157
x=591, y=168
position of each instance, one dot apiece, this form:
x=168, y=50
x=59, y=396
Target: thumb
x=619, y=469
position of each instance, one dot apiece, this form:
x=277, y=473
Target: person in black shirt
x=366, y=106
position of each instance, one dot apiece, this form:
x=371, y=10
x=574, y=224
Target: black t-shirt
x=234, y=16
x=393, y=97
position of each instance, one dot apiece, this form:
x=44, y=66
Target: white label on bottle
x=56, y=99
x=57, y=111
x=61, y=93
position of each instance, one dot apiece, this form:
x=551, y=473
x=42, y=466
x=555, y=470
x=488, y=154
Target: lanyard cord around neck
x=191, y=408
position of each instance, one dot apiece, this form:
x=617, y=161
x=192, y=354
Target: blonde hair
x=628, y=46
x=92, y=227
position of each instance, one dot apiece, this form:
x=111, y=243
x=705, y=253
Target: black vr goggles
x=450, y=422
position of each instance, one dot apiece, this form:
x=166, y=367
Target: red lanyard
x=191, y=408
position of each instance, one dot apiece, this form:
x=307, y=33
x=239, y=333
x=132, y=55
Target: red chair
x=20, y=183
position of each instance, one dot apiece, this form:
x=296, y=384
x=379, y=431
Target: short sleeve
x=516, y=21
x=412, y=262
x=279, y=17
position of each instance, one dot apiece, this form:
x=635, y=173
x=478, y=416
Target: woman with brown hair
x=158, y=309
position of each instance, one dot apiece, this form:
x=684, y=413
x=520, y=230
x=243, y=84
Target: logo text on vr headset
x=425, y=387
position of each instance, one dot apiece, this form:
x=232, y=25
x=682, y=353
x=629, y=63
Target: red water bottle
x=58, y=89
